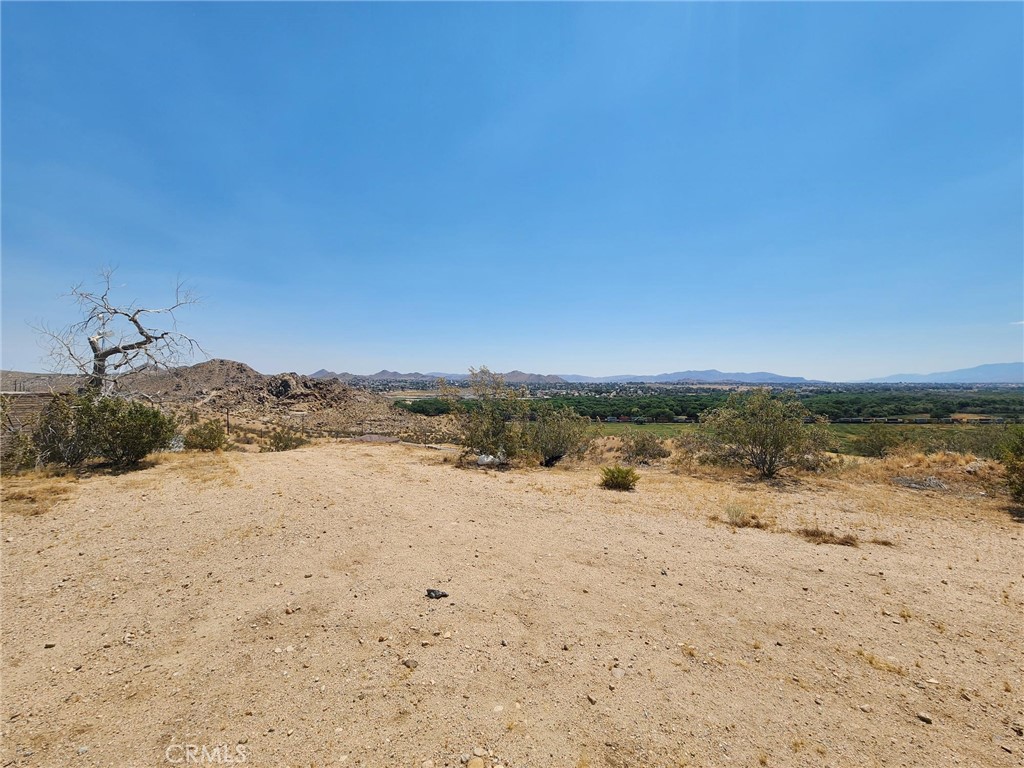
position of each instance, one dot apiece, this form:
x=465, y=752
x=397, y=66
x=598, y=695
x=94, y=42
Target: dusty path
x=263, y=605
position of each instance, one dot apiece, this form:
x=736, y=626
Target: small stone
x=308, y=576
x=591, y=699
x=1006, y=748
x=464, y=758
x=447, y=635
x=504, y=643
x=475, y=762
x=498, y=708
x=932, y=681
x=924, y=717
x=49, y=645
x=411, y=663
x=244, y=740
x=427, y=764
x=817, y=700
x=289, y=610
x=479, y=751
x=82, y=750
x=618, y=673
x=865, y=707
x=565, y=647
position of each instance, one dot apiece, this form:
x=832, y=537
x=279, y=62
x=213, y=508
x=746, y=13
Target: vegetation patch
x=739, y=517
x=821, y=536
x=619, y=478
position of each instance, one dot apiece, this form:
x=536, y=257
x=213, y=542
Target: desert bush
x=878, y=441
x=127, y=431
x=495, y=420
x=557, y=433
x=619, y=478
x=765, y=432
x=19, y=452
x=208, y=436
x=67, y=431
x=74, y=428
x=284, y=438
x=1013, y=461
x=639, y=447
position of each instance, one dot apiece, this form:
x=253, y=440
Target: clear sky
x=825, y=190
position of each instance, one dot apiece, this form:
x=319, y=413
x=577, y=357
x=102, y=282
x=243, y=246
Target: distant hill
x=709, y=376
x=512, y=377
x=992, y=373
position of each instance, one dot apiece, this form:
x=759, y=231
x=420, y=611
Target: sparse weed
x=739, y=517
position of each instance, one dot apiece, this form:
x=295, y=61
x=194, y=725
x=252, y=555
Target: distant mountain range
x=994, y=373
x=512, y=377
x=709, y=376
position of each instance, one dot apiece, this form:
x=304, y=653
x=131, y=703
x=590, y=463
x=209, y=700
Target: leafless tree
x=112, y=341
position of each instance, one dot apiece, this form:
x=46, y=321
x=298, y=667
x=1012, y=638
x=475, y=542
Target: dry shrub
x=739, y=517
x=821, y=536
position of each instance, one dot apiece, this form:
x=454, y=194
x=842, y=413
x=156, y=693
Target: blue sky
x=827, y=190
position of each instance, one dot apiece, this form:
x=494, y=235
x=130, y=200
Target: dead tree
x=112, y=341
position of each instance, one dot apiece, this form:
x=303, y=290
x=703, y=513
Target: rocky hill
x=319, y=404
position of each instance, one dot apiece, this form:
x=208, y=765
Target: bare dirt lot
x=271, y=609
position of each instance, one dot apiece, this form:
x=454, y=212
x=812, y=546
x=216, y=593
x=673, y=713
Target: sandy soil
x=271, y=608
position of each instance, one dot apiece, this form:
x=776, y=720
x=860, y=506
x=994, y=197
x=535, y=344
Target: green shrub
x=208, y=436
x=640, y=447
x=1013, y=461
x=765, y=432
x=284, y=438
x=878, y=441
x=67, y=432
x=619, y=478
x=557, y=433
x=128, y=431
x=74, y=428
x=19, y=452
x=495, y=420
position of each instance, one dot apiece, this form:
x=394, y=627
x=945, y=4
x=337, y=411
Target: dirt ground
x=270, y=609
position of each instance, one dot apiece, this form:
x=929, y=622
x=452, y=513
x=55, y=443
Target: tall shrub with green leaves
x=555, y=433
x=494, y=421
x=128, y=430
x=67, y=431
x=208, y=436
x=765, y=432
x=1013, y=462
x=74, y=428
x=641, y=447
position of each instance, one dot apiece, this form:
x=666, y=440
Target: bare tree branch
x=115, y=341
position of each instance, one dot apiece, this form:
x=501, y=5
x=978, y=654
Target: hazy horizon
x=830, y=191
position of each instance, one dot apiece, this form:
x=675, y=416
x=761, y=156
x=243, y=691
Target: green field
x=663, y=431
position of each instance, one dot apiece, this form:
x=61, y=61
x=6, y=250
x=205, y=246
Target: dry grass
x=821, y=536
x=738, y=516
x=36, y=491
